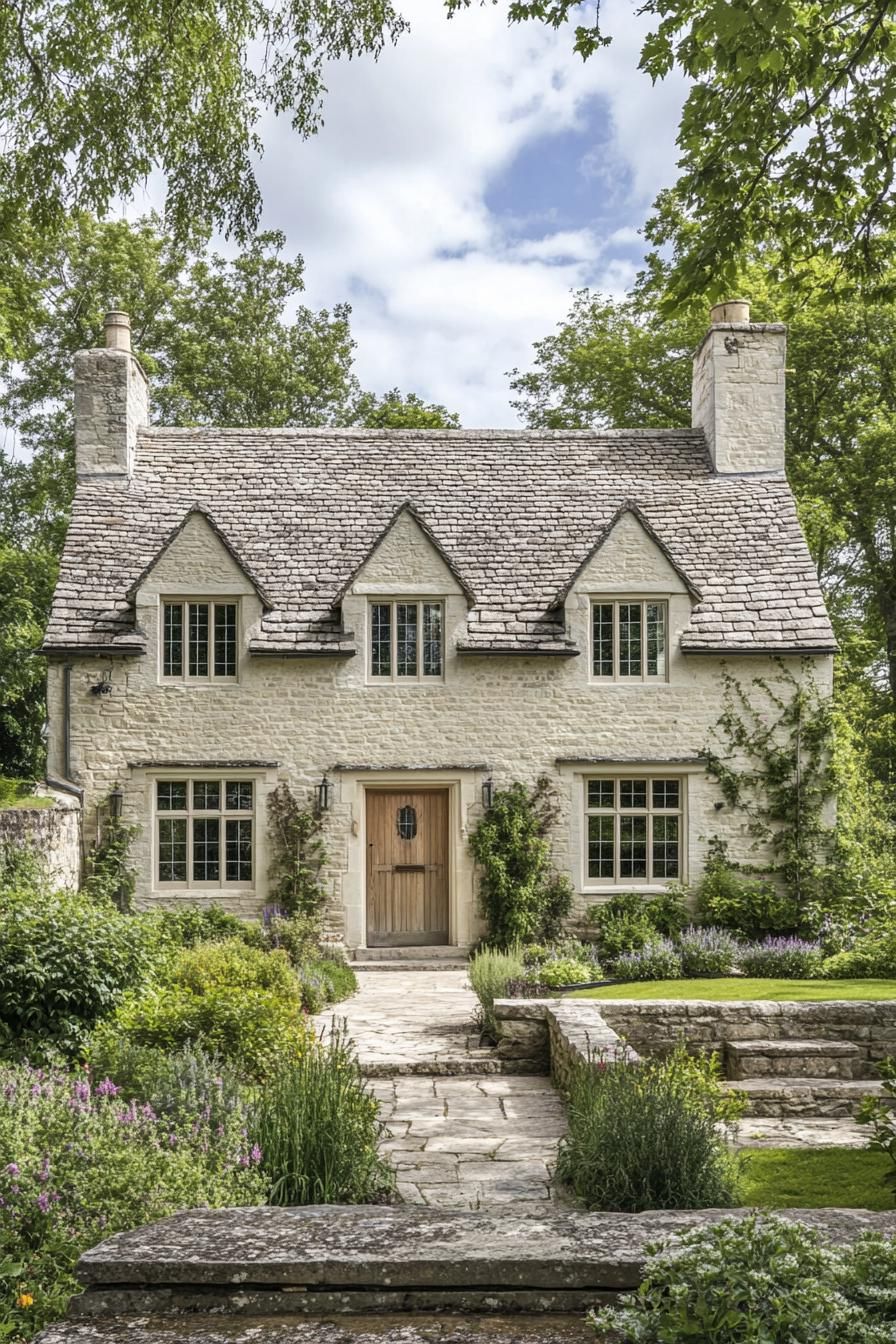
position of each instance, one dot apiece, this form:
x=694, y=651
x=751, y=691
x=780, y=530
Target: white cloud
x=389, y=206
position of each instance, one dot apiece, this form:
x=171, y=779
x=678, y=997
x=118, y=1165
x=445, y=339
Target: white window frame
x=616, y=678
x=617, y=882
x=185, y=677
x=191, y=813
x=393, y=678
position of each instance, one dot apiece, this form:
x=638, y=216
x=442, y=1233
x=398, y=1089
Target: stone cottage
x=402, y=621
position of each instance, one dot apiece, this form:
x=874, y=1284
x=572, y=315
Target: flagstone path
x=461, y=1132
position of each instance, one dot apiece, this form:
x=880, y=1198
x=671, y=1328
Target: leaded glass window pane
x=239, y=850
x=600, y=846
x=406, y=639
x=666, y=793
x=172, y=639
x=601, y=793
x=632, y=847
x=602, y=639
x=171, y=795
x=630, y=639
x=381, y=639
x=655, y=621
x=206, y=795
x=407, y=822
x=239, y=795
x=225, y=639
x=665, y=847
x=206, y=849
x=632, y=793
x=198, y=639
x=432, y=639
x=172, y=849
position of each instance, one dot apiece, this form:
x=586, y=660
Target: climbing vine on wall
x=771, y=754
x=110, y=873
x=298, y=854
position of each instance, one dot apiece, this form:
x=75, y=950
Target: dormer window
x=199, y=640
x=629, y=640
x=406, y=641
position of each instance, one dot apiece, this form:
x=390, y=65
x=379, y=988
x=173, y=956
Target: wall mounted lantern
x=488, y=793
x=324, y=790
x=116, y=802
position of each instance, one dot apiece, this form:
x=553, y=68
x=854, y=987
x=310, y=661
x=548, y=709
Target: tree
x=624, y=363
x=786, y=136
x=224, y=343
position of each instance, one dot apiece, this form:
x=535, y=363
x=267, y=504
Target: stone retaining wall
x=655, y=1025
x=54, y=833
x=555, y=1035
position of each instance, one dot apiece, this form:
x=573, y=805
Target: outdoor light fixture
x=324, y=789
x=103, y=687
x=488, y=793
x=116, y=802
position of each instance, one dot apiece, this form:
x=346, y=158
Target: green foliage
x=110, y=877
x=393, y=410
x=657, y=959
x=65, y=962
x=22, y=869
x=318, y=1128
x=180, y=1084
x=298, y=935
x=643, y=1135
x=491, y=971
x=628, y=920
x=880, y=1116
x=225, y=998
x=750, y=907
x=667, y=911
x=521, y=896
x=707, y=951
x=756, y=1280
x=556, y=973
x=77, y=1165
x=89, y=118
x=298, y=854
x=776, y=958
x=188, y=925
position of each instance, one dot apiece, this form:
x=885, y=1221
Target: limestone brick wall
x=738, y=395
x=111, y=404
x=53, y=833
x=508, y=718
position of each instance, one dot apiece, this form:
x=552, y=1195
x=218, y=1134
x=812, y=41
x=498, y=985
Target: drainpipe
x=67, y=720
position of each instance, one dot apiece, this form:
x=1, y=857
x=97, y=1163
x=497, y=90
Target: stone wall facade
x=53, y=833
x=505, y=718
x=738, y=395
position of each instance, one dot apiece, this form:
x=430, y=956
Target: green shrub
x=22, y=870
x=667, y=911
x=65, y=962
x=750, y=907
x=341, y=980
x=707, y=951
x=782, y=958
x=873, y=953
x=228, y=999
x=77, y=1165
x=188, y=925
x=298, y=935
x=757, y=1280
x=643, y=1135
x=657, y=960
x=318, y=1130
x=868, y=1275
x=491, y=971
x=617, y=934
x=564, y=971
x=522, y=897
x=879, y=1115
x=182, y=1083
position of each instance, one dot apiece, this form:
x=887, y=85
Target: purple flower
x=12, y=1169
x=255, y=1153
x=43, y=1202
x=107, y=1088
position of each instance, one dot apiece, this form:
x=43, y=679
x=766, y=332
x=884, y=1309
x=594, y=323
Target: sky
x=463, y=185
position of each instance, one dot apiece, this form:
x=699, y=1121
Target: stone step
x=823, y=1098
x=796, y=1059
x=438, y=964
x=440, y=952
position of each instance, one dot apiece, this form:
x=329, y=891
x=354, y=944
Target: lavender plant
x=707, y=951
x=785, y=958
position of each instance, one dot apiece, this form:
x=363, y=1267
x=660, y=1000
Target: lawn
x=742, y=987
x=816, y=1178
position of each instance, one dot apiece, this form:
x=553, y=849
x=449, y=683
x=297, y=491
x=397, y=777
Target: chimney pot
x=117, y=329
x=731, y=310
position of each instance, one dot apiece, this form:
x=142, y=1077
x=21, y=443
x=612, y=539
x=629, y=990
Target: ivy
x=522, y=897
x=298, y=854
x=110, y=876
x=773, y=762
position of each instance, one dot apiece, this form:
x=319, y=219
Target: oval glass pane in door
x=407, y=822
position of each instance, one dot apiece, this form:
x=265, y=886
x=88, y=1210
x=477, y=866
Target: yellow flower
x=24, y=1300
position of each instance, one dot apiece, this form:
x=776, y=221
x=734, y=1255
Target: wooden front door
x=407, y=868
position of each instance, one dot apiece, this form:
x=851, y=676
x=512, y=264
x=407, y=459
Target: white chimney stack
x=111, y=404
x=737, y=396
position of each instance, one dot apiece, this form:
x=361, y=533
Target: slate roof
x=516, y=514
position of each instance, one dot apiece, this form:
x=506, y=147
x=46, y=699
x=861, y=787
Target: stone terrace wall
x=556, y=1035
x=53, y=832
x=654, y=1026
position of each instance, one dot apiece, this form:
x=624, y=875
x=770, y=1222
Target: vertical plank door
x=407, y=868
